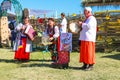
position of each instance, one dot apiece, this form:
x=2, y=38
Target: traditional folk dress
x=23, y=45
x=54, y=32
x=88, y=38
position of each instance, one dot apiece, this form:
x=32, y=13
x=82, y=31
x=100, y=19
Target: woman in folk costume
x=53, y=32
x=23, y=45
x=88, y=38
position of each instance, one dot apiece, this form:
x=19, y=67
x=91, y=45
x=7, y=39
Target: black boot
x=90, y=67
x=84, y=66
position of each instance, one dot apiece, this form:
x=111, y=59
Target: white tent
x=34, y=12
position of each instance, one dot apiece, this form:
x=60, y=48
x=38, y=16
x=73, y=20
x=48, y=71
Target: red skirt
x=21, y=54
x=58, y=44
x=87, y=52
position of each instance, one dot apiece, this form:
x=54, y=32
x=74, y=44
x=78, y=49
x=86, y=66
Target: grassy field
x=107, y=67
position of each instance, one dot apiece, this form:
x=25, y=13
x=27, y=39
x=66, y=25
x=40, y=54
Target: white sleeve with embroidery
x=18, y=27
x=56, y=30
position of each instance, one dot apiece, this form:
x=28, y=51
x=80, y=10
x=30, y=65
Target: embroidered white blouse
x=88, y=32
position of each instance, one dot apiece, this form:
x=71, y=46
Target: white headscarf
x=88, y=9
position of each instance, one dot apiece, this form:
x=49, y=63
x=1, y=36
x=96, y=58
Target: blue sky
x=66, y=6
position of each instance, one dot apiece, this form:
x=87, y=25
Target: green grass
x=107, y=67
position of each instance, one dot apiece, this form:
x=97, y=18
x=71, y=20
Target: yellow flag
x=73, y=14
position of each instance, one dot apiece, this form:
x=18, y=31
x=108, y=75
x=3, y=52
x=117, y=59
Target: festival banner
x=66, y=42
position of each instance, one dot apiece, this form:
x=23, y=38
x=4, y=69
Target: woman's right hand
x=80, y=23
x=50, y=39
x=23, y=28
